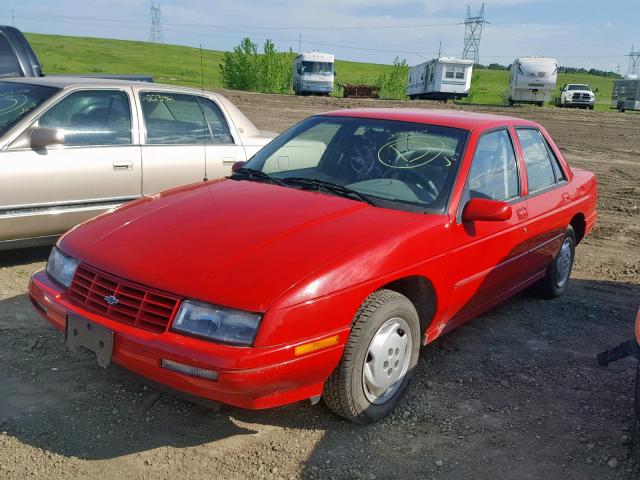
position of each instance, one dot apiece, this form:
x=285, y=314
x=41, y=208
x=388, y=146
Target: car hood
x=239, y=244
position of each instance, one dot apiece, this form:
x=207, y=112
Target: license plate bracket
x=81, y=332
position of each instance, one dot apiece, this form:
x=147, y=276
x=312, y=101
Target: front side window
x=493, y=173
x=537, y=159
x=92, y=117
x=397, y=164
x=18, y=99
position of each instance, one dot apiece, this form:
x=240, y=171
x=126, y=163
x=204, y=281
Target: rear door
x=187, y=137
x=47, y=191
x=488, y=256
x=548, y=196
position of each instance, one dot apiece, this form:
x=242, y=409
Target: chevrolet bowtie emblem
x=111, y=299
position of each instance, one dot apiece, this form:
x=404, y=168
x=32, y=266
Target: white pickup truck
x=576, y=95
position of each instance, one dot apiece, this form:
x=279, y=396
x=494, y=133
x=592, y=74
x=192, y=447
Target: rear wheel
x=378, y=361
x=556, y=279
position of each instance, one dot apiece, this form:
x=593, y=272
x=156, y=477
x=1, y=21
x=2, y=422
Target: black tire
x=551, y=285
x=344, y=390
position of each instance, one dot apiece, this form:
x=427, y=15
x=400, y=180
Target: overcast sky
x=588, y=33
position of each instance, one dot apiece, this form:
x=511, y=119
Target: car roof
x=71, y=81
x=447, y=118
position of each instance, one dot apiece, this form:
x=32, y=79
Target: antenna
x=204, y=118
x=155, y=35
x=440, y=49
x=13, y=18
x=299, y=43
x=472, y=34
x=634, y=62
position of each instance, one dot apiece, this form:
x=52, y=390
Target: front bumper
x=253, y=378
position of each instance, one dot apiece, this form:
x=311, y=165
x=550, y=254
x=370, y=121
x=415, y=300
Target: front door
x=45, y=192
x=488, y=255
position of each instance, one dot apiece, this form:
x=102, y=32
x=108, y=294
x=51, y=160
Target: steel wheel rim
x=387, y=360
x=563, y=263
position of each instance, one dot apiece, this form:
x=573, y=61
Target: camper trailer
x=440, y=79
x=626, y=94
x=532, y=80
x=313, y=74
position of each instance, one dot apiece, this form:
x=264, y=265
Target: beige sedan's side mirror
x=45, y=137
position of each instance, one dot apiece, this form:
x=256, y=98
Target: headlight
x=216, y=323
x=61, y=268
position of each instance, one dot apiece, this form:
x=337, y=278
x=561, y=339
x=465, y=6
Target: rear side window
x=179, y=119
x=92, y=117
x=9, y=66
x=538, y=159
x=493, y=173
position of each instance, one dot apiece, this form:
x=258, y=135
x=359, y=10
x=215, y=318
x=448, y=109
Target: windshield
x=395, y=164
x=18, y=99
x=317, y=67
x=579, y=87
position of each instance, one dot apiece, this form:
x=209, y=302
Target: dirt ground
x=515, y=394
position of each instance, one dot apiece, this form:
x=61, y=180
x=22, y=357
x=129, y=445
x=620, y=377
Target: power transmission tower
x=472, y=34
x=634, y=62
x=155, y=35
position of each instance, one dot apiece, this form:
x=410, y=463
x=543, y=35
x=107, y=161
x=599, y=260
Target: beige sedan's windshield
x=18, y=99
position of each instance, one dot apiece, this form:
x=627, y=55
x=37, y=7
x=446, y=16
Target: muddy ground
x=515, y=394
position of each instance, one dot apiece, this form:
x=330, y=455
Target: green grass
x=179, y=65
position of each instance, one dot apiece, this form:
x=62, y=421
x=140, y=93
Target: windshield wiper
x=252, y=173
x=330, y=186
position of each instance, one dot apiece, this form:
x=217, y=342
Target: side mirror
x=484, y=210
x=237, y=165
x=45, y=137
x=596, y=91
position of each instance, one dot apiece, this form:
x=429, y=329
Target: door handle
x=229, y=160
x=117, y=166
x=566, y=196
x=522, y=213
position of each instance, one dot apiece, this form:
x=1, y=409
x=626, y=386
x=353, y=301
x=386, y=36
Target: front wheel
x=556, y=279
x=378, y=361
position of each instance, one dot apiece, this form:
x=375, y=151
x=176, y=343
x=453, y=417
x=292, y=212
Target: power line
x=634, y=62
x=155, y=35
x=472, y=34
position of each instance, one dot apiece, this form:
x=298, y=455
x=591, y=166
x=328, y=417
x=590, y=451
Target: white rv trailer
x=532, y=80
x=313, y=73
x=440, y=79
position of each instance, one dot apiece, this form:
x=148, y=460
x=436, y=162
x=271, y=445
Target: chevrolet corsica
x=319, y=267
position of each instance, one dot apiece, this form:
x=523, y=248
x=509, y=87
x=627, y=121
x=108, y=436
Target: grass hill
x=181, y=65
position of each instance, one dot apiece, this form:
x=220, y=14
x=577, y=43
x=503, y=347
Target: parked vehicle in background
x=576, y=95
x=442, y=78
x=71, y=148
x=626, y=94
x=313, y=73
x=532, y=80
x=17, y=59
x=630, y=348
x=324, y=262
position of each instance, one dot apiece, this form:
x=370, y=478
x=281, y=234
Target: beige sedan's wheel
x=378, y=361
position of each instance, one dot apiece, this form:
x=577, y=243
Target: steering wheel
x=417, y=183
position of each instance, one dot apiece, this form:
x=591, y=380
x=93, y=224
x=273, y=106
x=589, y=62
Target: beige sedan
x=72, y=148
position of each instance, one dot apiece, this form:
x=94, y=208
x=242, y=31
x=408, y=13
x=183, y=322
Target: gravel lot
x=515, y=394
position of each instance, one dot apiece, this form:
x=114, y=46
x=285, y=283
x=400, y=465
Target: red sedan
x=323, y=263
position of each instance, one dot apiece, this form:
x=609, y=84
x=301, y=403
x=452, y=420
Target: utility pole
x=155, y=35
x=299, y=43
x=634, y=62
x=472, y=34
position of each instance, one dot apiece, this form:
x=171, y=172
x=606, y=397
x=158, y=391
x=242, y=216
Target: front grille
x=136, y=305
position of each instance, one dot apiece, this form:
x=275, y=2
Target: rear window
x=9, y=66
